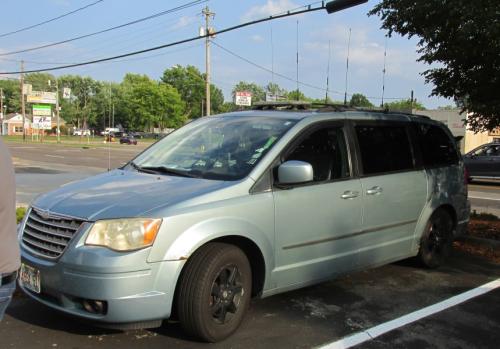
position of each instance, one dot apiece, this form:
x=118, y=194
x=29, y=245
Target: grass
x=20, y=212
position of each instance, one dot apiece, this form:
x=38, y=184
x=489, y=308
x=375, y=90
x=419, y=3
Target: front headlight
x=124, y=234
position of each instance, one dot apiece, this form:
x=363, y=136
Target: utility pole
x=411, y=102
x=23, y=111
x=1, y=111
x=206, y=12
x=57, y=113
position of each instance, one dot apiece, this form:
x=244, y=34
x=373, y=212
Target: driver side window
x=326, y=151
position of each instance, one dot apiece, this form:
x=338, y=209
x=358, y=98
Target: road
x=53, y=165
x=485, y=197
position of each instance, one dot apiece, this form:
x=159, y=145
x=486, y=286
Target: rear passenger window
x=384, y=149
x=438, y=149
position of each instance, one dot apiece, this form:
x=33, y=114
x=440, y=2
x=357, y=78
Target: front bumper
x=133, y=290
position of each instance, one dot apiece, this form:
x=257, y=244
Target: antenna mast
x=328, y=71
x=347, y=66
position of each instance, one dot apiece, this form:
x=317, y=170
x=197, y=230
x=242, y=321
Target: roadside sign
x=495, y=132
x=243, y=98
x=42, y=110
x=27, y=88
x=42, y=97
x=66, y=93
x=42, y=122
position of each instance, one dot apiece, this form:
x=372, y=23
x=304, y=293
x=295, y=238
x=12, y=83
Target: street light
x=339, y=5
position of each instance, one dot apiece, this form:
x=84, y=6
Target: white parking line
x=385, y=327
x=55, y=156
x=483, y=198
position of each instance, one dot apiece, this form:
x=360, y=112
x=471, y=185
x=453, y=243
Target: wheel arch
x=255, y=258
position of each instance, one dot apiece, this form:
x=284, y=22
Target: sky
x=271, y=45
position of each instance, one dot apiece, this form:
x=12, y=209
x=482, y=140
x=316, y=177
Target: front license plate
x=30, y=278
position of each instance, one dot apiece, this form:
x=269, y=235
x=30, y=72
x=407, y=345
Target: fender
x=221, y=227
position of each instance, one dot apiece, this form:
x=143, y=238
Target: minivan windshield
x=220, y=147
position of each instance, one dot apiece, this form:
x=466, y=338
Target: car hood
x=120, y=193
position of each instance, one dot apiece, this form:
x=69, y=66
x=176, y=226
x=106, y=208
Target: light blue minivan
x=241, y=205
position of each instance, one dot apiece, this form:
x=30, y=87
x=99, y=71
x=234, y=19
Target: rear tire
x=214, y=291
x=436, y=241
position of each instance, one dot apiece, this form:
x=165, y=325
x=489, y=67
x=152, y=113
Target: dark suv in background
x=484, y=162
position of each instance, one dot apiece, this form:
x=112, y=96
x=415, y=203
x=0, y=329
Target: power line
x=308, y=8
x=175, y=9
x=289, y=78
x=114, y=61
x=50, y=20
x=270, y=71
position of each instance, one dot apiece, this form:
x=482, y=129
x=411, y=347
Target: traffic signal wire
x=50, y=20
x=159, y=14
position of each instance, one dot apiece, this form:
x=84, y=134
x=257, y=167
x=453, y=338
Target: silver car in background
x=242, y=205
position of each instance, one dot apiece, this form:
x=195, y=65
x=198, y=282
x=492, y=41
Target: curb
x=495, y=244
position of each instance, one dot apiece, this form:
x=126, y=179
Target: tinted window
x=438, y=149
x=326, y=151
x=384, y=149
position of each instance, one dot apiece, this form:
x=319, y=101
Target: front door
x=317, y=224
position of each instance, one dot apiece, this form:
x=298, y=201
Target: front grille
x=48, y=235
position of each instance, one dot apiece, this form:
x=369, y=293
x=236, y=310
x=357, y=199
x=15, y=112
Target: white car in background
x=78, y=132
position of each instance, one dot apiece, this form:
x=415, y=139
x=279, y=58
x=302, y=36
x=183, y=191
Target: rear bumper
x=463, y=220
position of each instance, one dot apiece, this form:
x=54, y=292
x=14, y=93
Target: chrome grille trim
x=47, y=234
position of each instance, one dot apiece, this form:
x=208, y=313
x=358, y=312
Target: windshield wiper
x=164, y=170
x=140, y=169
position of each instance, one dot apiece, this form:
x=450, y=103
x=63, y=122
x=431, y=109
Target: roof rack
x=298, y=105
x=282, y=105
x=326, y=107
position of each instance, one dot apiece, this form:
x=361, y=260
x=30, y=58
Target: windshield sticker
x=251, y=161
x=270, y=141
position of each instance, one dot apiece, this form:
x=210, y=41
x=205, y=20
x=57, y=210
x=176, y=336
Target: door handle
x=350, y=195
x=374, y=191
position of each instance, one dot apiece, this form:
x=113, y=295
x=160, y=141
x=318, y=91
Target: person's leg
x=6, y=292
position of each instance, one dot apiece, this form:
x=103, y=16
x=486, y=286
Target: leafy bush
x=20, y=212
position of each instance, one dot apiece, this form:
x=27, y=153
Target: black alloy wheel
x=437, y=239
x=227, y=291
x=214, y=291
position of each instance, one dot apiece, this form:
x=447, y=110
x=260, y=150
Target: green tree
x=190, y=83
x=258, y=93
x=463, y=37
x=40, y=81
x=404, y=105
x=12, y=96
x=359, y=100
x=150, y=104
x=80, y=110
x=275, y=90
x=297, y=95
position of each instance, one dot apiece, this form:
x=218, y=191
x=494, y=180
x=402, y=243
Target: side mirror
x=294, y=172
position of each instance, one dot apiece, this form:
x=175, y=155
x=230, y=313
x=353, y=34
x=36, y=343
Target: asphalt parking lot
x=307, y=318
x=313, y=317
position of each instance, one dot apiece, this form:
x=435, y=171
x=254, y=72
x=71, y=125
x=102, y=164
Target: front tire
x=436, y=241
x=214, y=291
